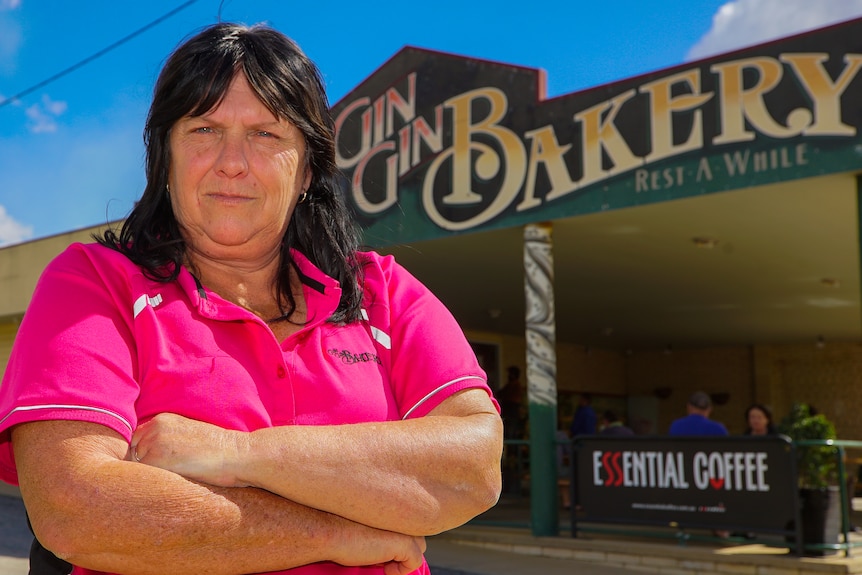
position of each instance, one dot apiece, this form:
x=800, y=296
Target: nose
x=232, y=160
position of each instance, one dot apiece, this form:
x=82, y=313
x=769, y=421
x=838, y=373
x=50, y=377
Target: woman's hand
x=194, y=449
x=403, y=554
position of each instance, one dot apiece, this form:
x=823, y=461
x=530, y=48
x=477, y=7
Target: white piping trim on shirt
x=379, y=336
x=60, y=406
x=142, y=302
x=442, y=387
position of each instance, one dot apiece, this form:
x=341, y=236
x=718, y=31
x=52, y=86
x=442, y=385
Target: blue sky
x=71, y=154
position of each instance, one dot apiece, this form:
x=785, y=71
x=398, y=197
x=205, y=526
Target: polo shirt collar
x=322, y=294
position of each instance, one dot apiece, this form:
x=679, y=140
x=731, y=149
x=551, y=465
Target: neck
x=246, y=284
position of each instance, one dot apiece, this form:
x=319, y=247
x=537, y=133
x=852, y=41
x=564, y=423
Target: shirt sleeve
x=430, y=358
x=74, y=355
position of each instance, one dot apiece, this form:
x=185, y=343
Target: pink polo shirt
x=102, y=343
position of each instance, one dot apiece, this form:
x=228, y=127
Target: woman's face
x=236, y=173
x=757, y=421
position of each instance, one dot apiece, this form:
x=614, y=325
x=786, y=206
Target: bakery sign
x=434, y=144
x=744, y=483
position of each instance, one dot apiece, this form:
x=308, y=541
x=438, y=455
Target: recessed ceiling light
x=704, y=242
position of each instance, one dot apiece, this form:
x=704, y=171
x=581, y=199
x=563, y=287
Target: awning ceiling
x=785, y=269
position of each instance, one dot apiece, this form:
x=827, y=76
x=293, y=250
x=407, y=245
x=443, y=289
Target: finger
x=136, y=452
x=407, y=564
x=139, y=431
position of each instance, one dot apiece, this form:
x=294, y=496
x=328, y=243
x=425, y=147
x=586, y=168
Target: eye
x=203, y=130
x=265, y=134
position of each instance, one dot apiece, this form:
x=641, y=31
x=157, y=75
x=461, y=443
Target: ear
x=307, y=182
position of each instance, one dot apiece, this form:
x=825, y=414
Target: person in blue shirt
x=584, y=420
x=697, y=422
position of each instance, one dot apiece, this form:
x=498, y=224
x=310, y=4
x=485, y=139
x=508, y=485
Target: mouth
x=229, y=198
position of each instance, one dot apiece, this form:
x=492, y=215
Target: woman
x=758, y=419
x=228, y=385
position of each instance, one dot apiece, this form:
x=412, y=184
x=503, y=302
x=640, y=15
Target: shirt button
x=280, y=372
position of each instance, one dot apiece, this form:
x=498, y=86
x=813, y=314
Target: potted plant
x=817, y=472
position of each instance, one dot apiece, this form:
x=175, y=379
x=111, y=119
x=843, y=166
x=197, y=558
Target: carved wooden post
x=541, y=377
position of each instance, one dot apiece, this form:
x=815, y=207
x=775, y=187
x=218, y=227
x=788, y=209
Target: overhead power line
x=98, y=54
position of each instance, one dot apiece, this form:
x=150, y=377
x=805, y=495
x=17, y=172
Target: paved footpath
x=14, y=536
x=449, y=558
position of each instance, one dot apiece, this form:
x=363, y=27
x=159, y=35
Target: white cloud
x=43, y=116
x=12, y=231
x=56, y=108
x=741, y=23
x=10, y=4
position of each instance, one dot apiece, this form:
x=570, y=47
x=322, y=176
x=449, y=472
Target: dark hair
x=700, y=400
x=770, y=427
x=194, y=80
x=610, y=416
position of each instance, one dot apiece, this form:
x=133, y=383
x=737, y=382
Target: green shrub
x=817, y=465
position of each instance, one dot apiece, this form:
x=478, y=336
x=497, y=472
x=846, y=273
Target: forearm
x=173, y=526
x=419, y=477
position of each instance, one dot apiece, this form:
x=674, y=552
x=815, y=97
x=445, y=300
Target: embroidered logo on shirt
x=145, y=300
x=350, y=358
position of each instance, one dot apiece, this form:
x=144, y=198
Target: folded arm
x=419, y=476
x=93, y=508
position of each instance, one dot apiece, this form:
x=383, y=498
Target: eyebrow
x=267, y=125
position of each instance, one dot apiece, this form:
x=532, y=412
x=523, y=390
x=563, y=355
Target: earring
x=303, y=197
x=168, y=190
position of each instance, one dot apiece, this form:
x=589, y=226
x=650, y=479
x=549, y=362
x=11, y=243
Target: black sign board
x=711, y=482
